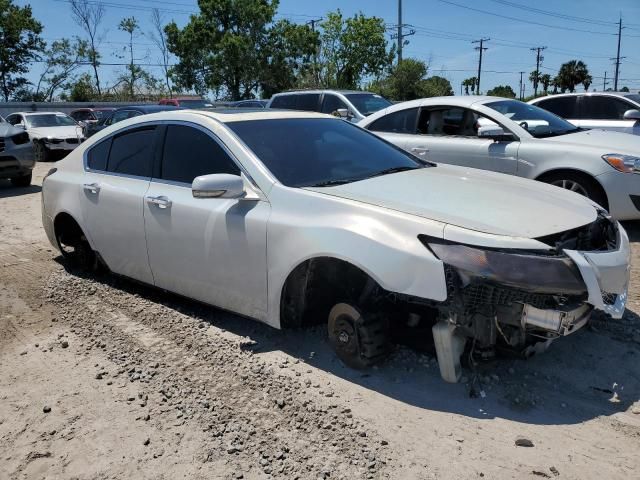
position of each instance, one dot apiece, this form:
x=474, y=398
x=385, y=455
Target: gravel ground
x=101, y=378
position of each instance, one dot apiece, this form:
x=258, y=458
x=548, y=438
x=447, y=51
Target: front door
x=112, y=192
x=210, y=249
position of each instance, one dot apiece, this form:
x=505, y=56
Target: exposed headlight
x=623, y=163
x=534, y=273
x=20, y=139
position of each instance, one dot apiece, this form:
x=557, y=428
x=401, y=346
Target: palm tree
x=586, y=83
x=534, y=78
x=469, y=83
x=571, y=74
x=545, y=80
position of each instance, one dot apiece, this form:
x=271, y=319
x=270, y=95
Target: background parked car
x=617, y=111
x=123, y=113
x=16, y=154
x=509, y=136
x=90, y=115
x=186, y=102
x=49, y=131
x=250, y=104
x=350, y=104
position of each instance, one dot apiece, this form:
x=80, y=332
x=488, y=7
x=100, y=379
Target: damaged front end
x=521, y=300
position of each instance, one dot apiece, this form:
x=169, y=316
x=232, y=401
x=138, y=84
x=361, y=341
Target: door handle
x=160, y=202
x=91, y=188
x=420, y=150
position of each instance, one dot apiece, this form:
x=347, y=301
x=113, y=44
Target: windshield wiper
x=388, y=171
x=331, y=183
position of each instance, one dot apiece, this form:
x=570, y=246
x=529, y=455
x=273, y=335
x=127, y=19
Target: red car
x=91, y=115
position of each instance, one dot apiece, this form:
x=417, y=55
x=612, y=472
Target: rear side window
x=565, y=107
x=402, y=121
x=203, y=157
x=299, y=101
x=604, y=108
x=97, y=157
x=132, y=153
x=283, y=101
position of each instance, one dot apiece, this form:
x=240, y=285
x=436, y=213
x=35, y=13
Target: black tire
x=359, y=339
x=41, y=152
x=23, y=181
x=79, y=254
x=580, y=183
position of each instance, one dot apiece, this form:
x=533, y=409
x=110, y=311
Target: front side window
x=604, y=108
x=320, y=151
x=204, y=155
x=331, y=103
x=565, y=107
x=538, y=122
x=402, y=121
x=132, y=152
x=98, y=156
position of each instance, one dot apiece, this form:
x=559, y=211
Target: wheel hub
x=344, y=337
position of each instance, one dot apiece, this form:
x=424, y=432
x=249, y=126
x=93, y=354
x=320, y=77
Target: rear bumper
x=606, y=275
x=16, y=160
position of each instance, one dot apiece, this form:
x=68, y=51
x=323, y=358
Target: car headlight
x=623, y=163
x=534, y=273
x=20, y=138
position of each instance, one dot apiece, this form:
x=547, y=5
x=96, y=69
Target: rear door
x=566, y=107
x=210, y=249
x=116, y=179
x=606, y=112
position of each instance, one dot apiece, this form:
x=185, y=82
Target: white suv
x=293, y=218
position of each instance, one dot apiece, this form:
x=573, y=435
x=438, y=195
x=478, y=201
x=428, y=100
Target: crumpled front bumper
x=606, y=275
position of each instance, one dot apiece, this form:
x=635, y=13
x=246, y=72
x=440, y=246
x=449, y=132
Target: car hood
x=8, y=130
x=56, y=132
x=473, y=199
x=605, y=141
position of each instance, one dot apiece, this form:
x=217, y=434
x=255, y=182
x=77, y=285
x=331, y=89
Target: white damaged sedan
x=293, y=218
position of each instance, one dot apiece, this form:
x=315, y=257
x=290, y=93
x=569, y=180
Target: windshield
x=368, y=103
x=49, y=120
x=538, y=122
x=195, y=103
x=320, y=152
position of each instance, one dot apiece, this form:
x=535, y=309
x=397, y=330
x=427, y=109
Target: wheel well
x=66, y=229
x=314, y=286
x=576, y=173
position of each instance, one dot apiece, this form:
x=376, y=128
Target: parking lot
x=104, y=378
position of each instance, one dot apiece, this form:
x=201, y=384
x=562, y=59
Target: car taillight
x=49, y=173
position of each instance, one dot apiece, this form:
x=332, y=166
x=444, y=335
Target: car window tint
x=131, y=152
x=402, y=121
x=14, y=119
x=455, y=121
x=120, y=115
x=307, y=101
x=604, y=108
x=97, y=157
x=565, y=107
x=204, y=155
x=331, y=103
x=283, y=101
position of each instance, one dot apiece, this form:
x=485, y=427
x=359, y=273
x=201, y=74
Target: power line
x=562, y=16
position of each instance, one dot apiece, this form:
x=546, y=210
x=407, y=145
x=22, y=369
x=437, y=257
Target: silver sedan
x=16, y=155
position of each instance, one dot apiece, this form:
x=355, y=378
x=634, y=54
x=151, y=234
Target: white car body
x=616, y=111
x=576, y=154
x=254, y=246
x=59, y=138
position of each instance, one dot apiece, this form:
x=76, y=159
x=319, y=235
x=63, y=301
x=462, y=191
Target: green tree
x=352, y=49
x=624, y=89
x=571, y=74
x=82, y=89
x=223, y=47
x=88, y=16
x=502, y=91
x=20, y=44
x=130, y=26
x=435, y=87
x=469, y=83
x=534, y=78
x=586, y=82
x=159, y=38
x=61, y=60
x=545, y=80
x=404, y=81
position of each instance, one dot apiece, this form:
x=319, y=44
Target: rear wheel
x=76, y=250
x=23, y=181
x=360, y=339
x=578, y=183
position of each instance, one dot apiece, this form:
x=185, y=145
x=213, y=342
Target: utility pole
x=481, y=49
x=401, y=34
x=316, y=73
x=538, y=60
x=521, y=92
x=615, y=81
x=604, y=84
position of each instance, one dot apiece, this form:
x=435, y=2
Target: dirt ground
x=101, y=378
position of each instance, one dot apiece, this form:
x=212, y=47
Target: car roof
x=148, y=108
x=225, y=115
x=583, y=94
x=321, y=90
x=39, y=113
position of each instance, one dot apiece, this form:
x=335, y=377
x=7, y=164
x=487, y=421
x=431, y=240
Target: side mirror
x=343, y=113
x=218, y=185
x=21, y=125
x=632, y=114
x=495, y=133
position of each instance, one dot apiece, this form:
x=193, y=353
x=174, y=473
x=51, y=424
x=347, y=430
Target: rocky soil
x=101, y=378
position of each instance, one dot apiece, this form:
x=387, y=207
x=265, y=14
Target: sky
x=444, y=30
